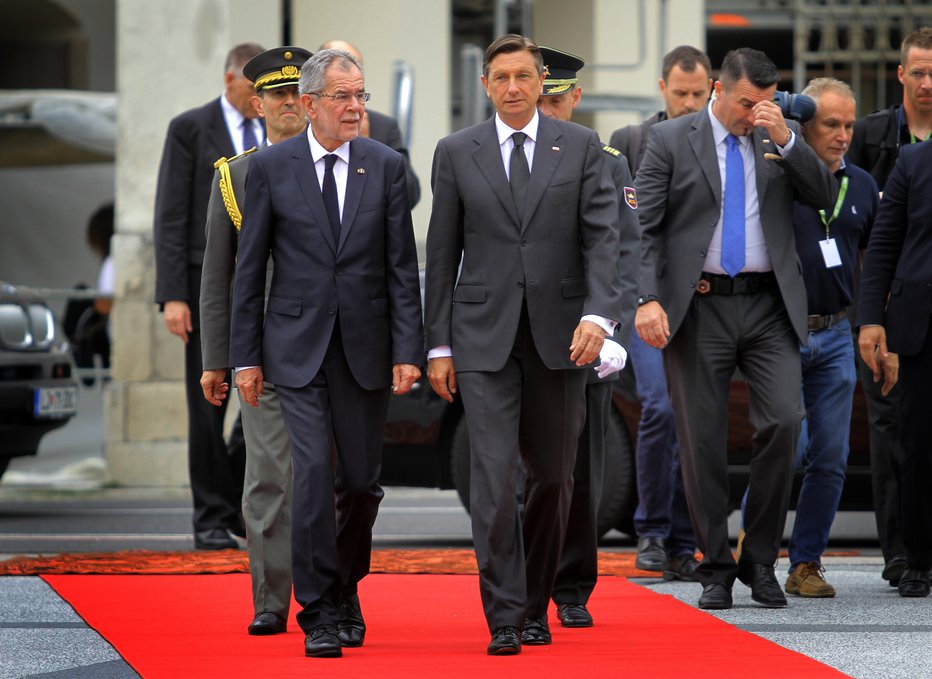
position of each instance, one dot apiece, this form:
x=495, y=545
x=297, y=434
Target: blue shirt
x=828, y=291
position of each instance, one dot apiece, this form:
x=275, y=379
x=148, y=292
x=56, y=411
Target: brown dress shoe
x=806, y=580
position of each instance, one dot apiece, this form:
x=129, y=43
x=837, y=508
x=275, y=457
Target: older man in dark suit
x=894, y=313
x=721, y=288
x=267, y=481
x=223, y=127
x=343, y=325
x=523, y=201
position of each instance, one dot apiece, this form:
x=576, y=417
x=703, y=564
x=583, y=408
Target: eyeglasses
x=343, y=97
x=916, y=74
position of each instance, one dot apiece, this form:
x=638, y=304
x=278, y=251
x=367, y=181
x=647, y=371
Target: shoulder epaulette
x=226, y=188
x=608, y=149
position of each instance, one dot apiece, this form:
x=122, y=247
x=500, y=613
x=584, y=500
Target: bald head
x=341, y=45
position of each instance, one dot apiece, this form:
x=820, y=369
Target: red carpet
x=419, y=626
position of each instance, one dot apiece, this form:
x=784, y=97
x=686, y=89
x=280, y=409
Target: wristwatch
x=644, y=299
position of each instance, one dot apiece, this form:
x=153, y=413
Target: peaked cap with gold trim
x=561, y=68
x=277, y=67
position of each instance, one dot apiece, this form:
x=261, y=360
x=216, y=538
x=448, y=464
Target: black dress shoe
x=214, y=538
x=913, y=583
x=893, y=570
x=573, y=615
x=715, y=597
x=765, y=589
x=681, y=568
x=505, y=641
x=352, y=628
x=652, y=554
x=536, y=632
x=323, y=642
x=267, y=623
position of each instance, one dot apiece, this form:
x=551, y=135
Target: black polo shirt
x=828, y=291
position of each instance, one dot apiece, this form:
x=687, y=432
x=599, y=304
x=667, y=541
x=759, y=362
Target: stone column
x=169, y=58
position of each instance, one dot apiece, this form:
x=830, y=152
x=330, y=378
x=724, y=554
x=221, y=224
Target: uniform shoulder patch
x=631, y=197
x=223, y=159
x=613, y=151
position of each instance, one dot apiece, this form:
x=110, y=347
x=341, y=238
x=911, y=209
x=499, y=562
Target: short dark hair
x=239, y=55
x=100, y=230
x=687, y=58
x=751, y=64
x=921, y=38
x=508, y=44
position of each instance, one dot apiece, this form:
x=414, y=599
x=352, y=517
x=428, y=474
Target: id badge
x=830, y=253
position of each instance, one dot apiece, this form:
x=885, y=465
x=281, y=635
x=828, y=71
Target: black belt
x=823, y=322
x=742, y=284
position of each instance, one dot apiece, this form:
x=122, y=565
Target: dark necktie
x=733, y=241
x=331, y=202
x=519, y=174
x=249, y=136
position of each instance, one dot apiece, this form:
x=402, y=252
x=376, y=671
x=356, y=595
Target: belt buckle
x=703, y=287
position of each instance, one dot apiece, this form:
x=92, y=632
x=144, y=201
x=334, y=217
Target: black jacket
x=875, y=143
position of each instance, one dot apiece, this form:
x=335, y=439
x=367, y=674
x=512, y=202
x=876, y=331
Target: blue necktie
x=249, y=136
x=331, y=202
x=733, y=245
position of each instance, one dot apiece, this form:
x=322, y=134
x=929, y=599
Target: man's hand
x=587, y=342
x=215, y=389
x=768, y=115
x=652, y=325
x=442, y=377
x=404, y=375
x=872, y=343
x=178, y=319
x=249, y=383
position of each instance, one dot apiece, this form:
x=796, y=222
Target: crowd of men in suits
x=734, y=247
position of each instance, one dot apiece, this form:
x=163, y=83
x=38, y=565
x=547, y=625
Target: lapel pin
x=360, y=170
x=554, y=148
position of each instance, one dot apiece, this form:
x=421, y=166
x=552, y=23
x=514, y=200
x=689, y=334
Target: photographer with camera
x=721, y=289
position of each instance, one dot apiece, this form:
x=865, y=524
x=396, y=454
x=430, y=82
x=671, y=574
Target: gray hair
x=819, y=86
x=312, y=73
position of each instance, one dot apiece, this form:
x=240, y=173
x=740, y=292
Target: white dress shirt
x=757, y=257
x=234, y=120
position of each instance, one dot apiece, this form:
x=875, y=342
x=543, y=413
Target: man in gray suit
x=523, y=201
x=721, y=288
x=342, y=326
x=267, y=485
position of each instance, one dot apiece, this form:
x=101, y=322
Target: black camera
x=798, y=107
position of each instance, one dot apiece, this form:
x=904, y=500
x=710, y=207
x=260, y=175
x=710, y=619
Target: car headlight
x=42, y=322
x=15, y=330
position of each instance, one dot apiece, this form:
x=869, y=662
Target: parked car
x=37, y=391
x=426, y=444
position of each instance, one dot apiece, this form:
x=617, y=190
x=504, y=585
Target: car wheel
x=619, y=484
x=459, y=461
x=4, y=462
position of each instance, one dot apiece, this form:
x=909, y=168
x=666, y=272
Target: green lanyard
x=913, y=138
x=838, y=203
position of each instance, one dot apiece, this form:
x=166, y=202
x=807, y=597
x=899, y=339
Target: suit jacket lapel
x=303, y=164
x=761, y=164
x=218, y=133
x=547, y=156
x=702, y=142
x=488, y=156
x=355, y=183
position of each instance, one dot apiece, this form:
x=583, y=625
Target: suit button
x=703, y=253
x=339, y=272
x=331, y=311
x=523, y=243
x=520, y=284
x=692, y=284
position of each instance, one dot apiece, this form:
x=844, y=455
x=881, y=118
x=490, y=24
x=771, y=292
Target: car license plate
x=55, y=401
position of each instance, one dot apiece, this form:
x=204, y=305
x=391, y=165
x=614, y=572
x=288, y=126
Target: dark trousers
x=916, y=505
x=331, y=540
x=216, y=472
x=528, y=410
x=720, y=333
x=578, y=567
x=883, y=418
